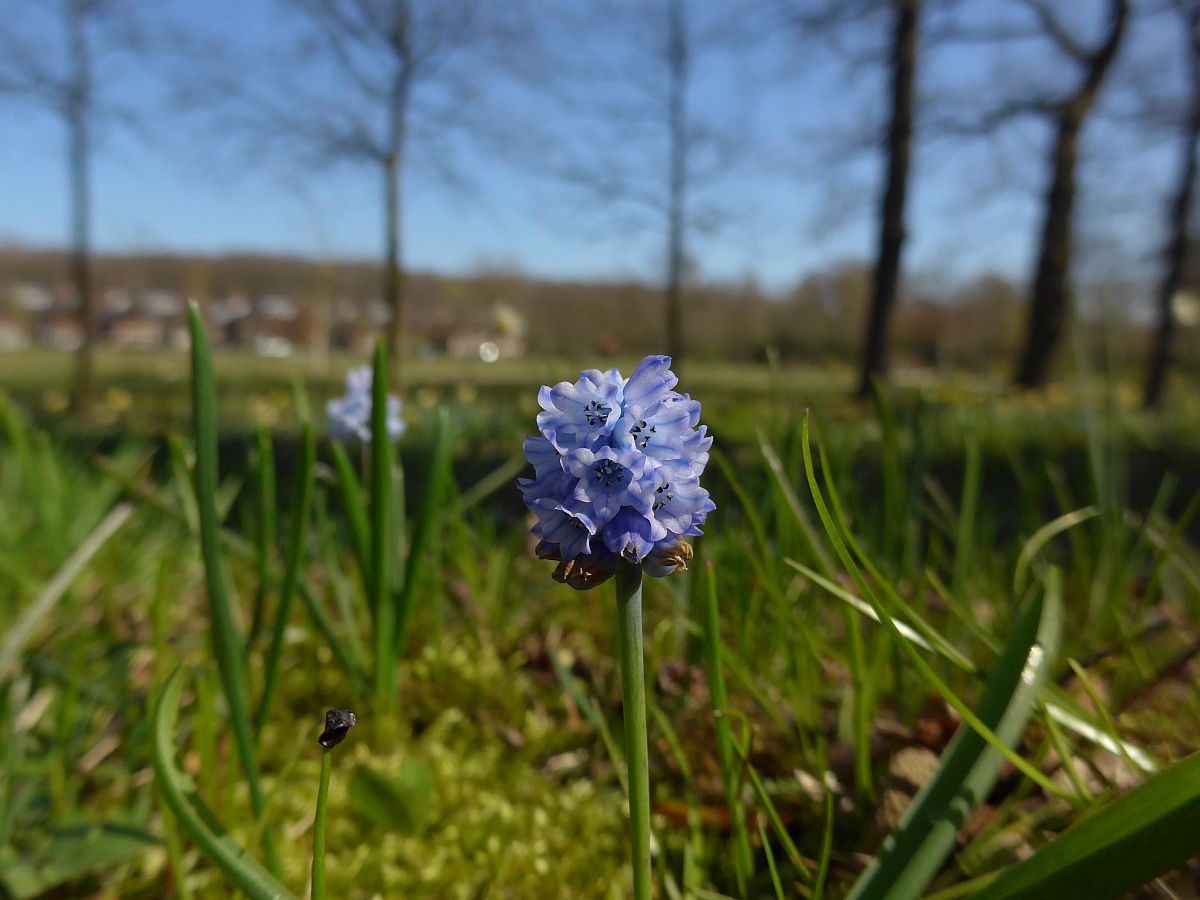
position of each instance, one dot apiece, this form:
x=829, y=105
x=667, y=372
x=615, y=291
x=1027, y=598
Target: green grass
x=946, y=509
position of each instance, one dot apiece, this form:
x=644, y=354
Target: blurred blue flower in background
x=350, y=414
x=616, y=473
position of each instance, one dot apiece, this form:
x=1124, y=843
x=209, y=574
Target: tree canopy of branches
x=365, y=83
x=633, y=145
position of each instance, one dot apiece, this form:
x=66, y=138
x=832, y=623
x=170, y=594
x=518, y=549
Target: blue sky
x=792, y=204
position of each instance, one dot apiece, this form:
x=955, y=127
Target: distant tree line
x=975, y=326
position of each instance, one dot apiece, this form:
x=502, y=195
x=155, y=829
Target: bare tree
x=626, y=137
x=1176, y=252
x=855, y=30
x=58, y=59
x=1050, y=297
x=891, y=213
x=364, y=83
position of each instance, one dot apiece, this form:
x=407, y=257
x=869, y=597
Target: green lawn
x=498, y=758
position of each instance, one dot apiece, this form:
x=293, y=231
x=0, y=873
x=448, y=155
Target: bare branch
x=1058, y=32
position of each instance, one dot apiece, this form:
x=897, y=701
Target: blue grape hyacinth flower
x=616, y=473
x=350, y=414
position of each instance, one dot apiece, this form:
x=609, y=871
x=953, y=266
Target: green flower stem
x=318, y=860
x=633, y=694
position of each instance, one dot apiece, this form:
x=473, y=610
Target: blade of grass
x=42, y=605
x=930, y=676
x=1149, y=831
x=826, y=849
x=1100, y=707
x=195, y=818
x=424, y=528
x=355, y=510
x=768, y=805
x=382, y=546
x=1043, y=536
x=894, y=521
x=227, y=646
x=890, y=593
x=916, y=850
x=500, y=477
x=590, y=712
x=349, y=601
x=265, y=532
x=1060, y=714
x=906, y=630
x=347, y=659
x=159, y=626
x=964, y=540
x=181, y=474
x=775, y=465
x=291, y=572
x=776, y=884
x=743, y=855
x=694, y=846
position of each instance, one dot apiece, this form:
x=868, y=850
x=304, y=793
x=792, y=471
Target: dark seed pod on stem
x=337, y=723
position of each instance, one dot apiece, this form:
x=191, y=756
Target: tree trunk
x=677, y=57
x=78, y=107
x=1050, y=300
x=393, y=269
x=1176, y=250
x=891, y=217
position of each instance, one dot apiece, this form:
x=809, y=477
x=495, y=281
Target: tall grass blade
x=743, y=855
x=826, y=849
x=265, y=531
x=197, y=820
x=344, y=654
x=291, y=571
x=425, y=526
x=894, y=522
x=355, y=510
x=1043, y=536
x=42, y=605
x=381, y=544
x=964, y=541
x=500, y=477
x=1150, y=830
x=925, y=670
x=916, y=850
x=227, y=646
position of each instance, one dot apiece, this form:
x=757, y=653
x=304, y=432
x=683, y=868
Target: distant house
x=351, y=327
x=229, y=316
x=487, y=345
x=14, y=333
x=503, y=338
x=32, y=298
x=58, y=331
x=278, y=324
x=137, y=332
x=150, y=320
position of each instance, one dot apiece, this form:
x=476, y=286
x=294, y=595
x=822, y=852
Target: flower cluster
x=350, y=414
x=616, y=473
